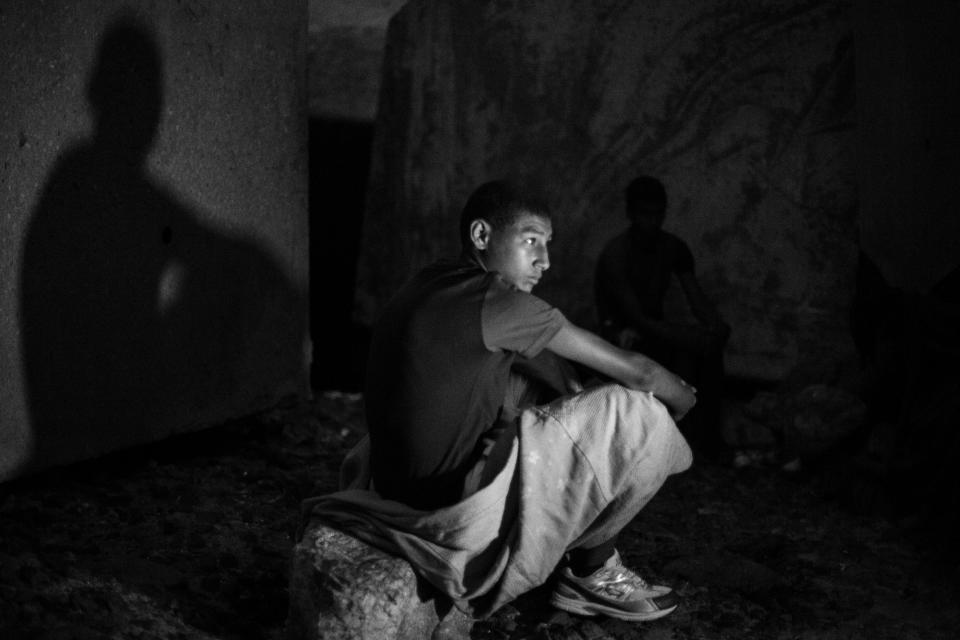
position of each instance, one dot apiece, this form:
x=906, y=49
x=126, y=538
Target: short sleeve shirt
x=515, y=321
x=439, y=361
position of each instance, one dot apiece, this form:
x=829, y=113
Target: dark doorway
x=339, y=165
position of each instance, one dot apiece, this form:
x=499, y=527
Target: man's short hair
x=500, y=203
x=645, y=194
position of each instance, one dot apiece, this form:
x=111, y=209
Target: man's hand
x=683, y=408
x=633, y=370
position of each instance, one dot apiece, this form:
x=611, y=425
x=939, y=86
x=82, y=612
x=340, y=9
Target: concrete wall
x=153, y=229
x=908, y=89
x=347, y=39
x=745, y=109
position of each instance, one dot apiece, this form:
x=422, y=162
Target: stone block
x=742, y=109
x=344, y=589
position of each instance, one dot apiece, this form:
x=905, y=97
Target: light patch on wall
x=169, y=286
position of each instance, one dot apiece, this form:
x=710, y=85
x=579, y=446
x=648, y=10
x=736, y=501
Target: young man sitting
x=484, y=493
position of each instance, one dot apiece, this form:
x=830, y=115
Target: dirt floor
x=191, y=538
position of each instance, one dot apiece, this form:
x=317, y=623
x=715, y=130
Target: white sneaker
x=615, y=591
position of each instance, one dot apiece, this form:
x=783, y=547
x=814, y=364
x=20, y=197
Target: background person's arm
x=616, y=298
x=703, y=309
x=633, y=370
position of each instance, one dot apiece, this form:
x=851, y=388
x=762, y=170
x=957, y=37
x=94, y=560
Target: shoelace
x=617, y=582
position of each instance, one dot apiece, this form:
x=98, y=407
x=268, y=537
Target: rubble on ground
x=192, y=538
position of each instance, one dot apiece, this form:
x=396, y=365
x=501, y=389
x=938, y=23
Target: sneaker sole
x=584, y=608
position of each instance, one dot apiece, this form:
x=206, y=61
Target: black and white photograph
x=479, y=319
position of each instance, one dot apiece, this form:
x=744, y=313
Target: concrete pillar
x=908, y=103
x=743, y=109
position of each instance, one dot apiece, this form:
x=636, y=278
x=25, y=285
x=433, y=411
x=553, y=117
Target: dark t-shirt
x=440, y=357
x=645, y=265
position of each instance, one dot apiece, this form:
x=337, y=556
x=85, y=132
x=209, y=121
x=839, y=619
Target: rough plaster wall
x=744, y=109
x=152, y=289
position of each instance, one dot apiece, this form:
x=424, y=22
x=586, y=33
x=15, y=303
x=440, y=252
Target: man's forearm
x=665, y=385
x=633, y=370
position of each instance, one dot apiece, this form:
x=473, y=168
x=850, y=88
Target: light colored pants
x=578, y=470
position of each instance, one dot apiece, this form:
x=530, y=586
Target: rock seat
x=344, y=589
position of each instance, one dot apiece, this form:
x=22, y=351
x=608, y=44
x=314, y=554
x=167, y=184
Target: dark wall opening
x=339, y=165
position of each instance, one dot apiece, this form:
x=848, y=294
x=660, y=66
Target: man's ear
x=480, y=234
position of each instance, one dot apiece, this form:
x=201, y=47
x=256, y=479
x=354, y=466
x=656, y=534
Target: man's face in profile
x=519, y=252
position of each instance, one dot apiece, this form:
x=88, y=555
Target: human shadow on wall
x=137, y=319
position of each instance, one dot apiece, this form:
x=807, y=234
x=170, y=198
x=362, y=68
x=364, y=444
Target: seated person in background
x=632, y=278
x=482, y=493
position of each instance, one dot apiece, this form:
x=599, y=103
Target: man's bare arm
x=633, y=370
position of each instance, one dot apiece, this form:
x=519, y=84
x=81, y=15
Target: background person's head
x=507, y=229
x=646, y=203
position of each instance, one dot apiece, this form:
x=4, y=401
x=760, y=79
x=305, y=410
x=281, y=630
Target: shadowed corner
x=137, y=319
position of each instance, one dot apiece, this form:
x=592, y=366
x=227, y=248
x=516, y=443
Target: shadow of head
x=126, y=87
